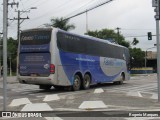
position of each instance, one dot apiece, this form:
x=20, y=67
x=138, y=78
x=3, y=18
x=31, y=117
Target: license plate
x=34, y=75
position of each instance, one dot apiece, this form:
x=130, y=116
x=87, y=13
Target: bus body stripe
x=73, y=63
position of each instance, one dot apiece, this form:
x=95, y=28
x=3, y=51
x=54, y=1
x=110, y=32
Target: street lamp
x=146, y=56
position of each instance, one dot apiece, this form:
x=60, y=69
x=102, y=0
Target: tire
x=76, y=83
x=122, y=78
x=45, y=87
x=86, y=82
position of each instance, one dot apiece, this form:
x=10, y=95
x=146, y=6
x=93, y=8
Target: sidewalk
x=151, y=74
x=10, y=79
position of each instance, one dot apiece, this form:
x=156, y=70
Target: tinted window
x=33, y=37
x=77, y=44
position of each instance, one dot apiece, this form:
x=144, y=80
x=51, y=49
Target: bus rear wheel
x=86, y=82
x=76, y=83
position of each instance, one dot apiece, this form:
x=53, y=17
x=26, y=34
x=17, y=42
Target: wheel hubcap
x=76, y=83
x=86, y=81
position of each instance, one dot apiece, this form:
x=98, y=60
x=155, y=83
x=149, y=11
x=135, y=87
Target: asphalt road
x=135, y=97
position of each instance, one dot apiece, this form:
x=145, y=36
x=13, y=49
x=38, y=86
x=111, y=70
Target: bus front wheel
x=76, y=83
x=122, y=78
x=86, y=81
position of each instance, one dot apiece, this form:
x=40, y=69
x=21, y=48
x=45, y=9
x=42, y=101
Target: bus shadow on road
x=67, y=90
x=105, y=85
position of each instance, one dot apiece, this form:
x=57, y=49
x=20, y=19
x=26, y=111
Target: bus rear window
x=39, y=37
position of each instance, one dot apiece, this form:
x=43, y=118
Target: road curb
x=10, y=80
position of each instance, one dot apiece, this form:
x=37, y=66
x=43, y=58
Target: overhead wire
x=73, y=6
x=55, y=9
x=91, y=8
x=32, y=4
x=11, y=15
x=62, y=6
x=83, y=6
x=126, y=29
x=26, y=1
x=135, y=36
x=23, y=6
x=108, y=1
x=42, y=3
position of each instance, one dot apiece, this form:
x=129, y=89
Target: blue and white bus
x=52, y=57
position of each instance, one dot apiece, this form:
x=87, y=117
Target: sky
x=134, y=17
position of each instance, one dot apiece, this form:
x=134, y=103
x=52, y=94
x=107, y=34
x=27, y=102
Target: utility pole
x=5, y=30
x=12, y=4
x=0, y=55
x=5, y=16
x=18, y=26
x=19, y=22
x=156, y=4
x=118, y=33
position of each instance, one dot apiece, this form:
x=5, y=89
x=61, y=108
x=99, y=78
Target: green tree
x=137, y=57
x=12, y=53
x=109, y=34
x=135, y=41
x=61, y=23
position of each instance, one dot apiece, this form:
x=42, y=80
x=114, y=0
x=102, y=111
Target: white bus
x=52, y=57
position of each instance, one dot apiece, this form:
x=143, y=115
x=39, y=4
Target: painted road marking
x=92, y=105
x=154, y=96
x=21, y=101
x=134, y=93
x=135, y=87
x=53, y=118
x=1, y=97
x=51, y=97
x=37, y=107
x=99, y=90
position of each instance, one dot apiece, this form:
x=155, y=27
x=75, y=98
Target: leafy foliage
x=109, y=34
x=12, y=52
x=135, y=41
x=137, y=57
x=61, y=23
x=12, y=47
